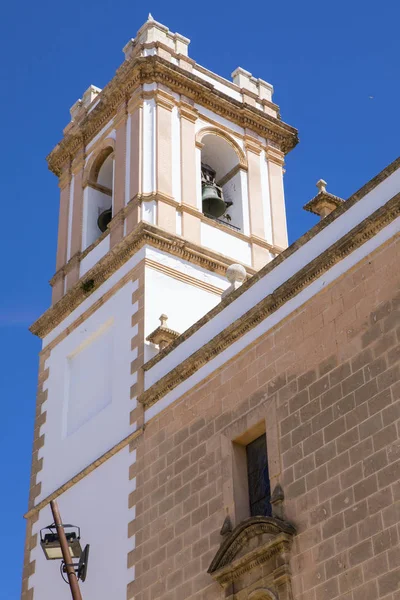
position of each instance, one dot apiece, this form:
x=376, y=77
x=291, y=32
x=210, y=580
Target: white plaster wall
x=149, y=212
x=68, y=450
x=149, y=146
x=304, y=255
x=233, y=192
x=89, y=379
x=182, y=302
x=176, y=154
x=225, y=243
x=219, y=85
x=266, y=200
x=245, y=202
x=94, y=256
x=178, y=222
x=94, y=203
x=185, y=267
x=198, y=180
x=149, y=52
x=218, y=119
x=99, y=505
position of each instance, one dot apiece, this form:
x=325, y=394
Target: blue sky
x=334, y=67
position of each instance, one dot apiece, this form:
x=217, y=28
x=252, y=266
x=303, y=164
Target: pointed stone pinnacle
x=150, y=17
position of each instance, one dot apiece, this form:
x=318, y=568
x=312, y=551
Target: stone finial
x=150, y=36
x=323, y=203
x=277, y=499
x=235, y=274
x=245, y=81
x=226, y=526
x=163, y=335
x=83, y=103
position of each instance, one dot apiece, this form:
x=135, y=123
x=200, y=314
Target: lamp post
x=66, y=554
x=65, y=546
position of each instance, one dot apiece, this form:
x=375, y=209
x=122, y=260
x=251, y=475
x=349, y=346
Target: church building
x=218, y=414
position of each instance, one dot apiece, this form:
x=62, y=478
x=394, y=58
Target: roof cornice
x=143, y=234
x=154, y=69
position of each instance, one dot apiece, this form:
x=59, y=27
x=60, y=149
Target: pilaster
x=259, y=256
x=64, y=185
x=166, y=212
x=135, y=110
x=62, y=242
x=77, y=171
x=190, y=222
x=117, y=231
x=253, y=150
x=275, y=159
x=77, y=216
x=57, y=290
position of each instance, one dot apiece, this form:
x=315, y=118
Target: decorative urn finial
x=163, y=335
x=235, y=274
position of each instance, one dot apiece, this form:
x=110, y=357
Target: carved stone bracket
x=254, y=559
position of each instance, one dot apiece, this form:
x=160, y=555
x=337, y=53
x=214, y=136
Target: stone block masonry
x=326, y=384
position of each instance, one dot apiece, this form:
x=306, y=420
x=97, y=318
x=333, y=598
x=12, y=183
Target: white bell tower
x=168, y=176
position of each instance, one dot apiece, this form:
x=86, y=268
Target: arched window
x=223, y=181
x=98, y=201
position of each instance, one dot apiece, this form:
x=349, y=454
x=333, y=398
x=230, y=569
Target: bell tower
x=167, y=176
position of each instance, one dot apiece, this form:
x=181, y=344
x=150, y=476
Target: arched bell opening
x=222, y=181
x=99, y=196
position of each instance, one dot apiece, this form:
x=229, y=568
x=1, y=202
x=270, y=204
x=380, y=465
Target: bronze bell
x=104, y=219
x=212, y=196
x=213, y=203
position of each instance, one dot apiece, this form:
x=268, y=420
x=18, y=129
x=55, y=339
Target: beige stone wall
x=325, y=384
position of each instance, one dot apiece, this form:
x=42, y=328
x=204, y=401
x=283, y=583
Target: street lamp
x=50, y=542
x=62, y=542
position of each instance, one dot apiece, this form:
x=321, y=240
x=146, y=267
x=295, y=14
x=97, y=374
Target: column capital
x=275, y=155
x=65, y=178
x=135, y=101
x=187, y=111
x=252, y=144
x=164, y=99
x=79, y=161
x=121, y=115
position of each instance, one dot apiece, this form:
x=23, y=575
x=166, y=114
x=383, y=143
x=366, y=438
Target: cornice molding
x=154, y=69
x=94, y=465
x=145, y=233
x=184, y=277
x=293, y=286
